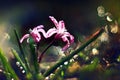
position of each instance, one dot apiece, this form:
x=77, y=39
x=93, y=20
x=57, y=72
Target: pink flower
x=34, y=34
x=60, y=32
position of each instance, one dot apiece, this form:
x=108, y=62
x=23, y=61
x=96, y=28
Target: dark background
x=80, y=16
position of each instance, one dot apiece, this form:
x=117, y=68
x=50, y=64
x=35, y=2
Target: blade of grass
x=22, y=52
x=19, y=59
x=7, y=66
x=4, y=65
x=61, y=62
x=34, y=60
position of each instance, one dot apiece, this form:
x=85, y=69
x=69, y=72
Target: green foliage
x=34, y=61
x=19, y=59
x=7, y=67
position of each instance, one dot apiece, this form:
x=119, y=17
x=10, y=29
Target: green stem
x=41, y=55
x=22, y=52
x=61, y=62
x=18, y=58
x=34, y=60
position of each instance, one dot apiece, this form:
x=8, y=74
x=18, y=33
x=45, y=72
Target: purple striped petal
x=67, y=34
x=66, y=38
x=54, y=21
x=24, y=37
x=61, y=27
x=40, y=29
x=51, y=32
x=35, y=34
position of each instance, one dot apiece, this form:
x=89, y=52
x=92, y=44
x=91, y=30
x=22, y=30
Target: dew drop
x=51, y=74
x=75, y=56
x=95, y=51
x=46, y=78
x=18, y=64
x=109, y=19
x=92, y=62
x=87, y=58
x=65, y=63
x=12, y=79
x=71, y=60
x=60, y=65
x=23, y=71
x=21, y=67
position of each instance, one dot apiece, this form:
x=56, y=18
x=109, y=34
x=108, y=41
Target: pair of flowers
x=59, y=30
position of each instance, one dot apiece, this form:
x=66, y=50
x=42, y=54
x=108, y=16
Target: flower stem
x=41, y=55
x=34, y=62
